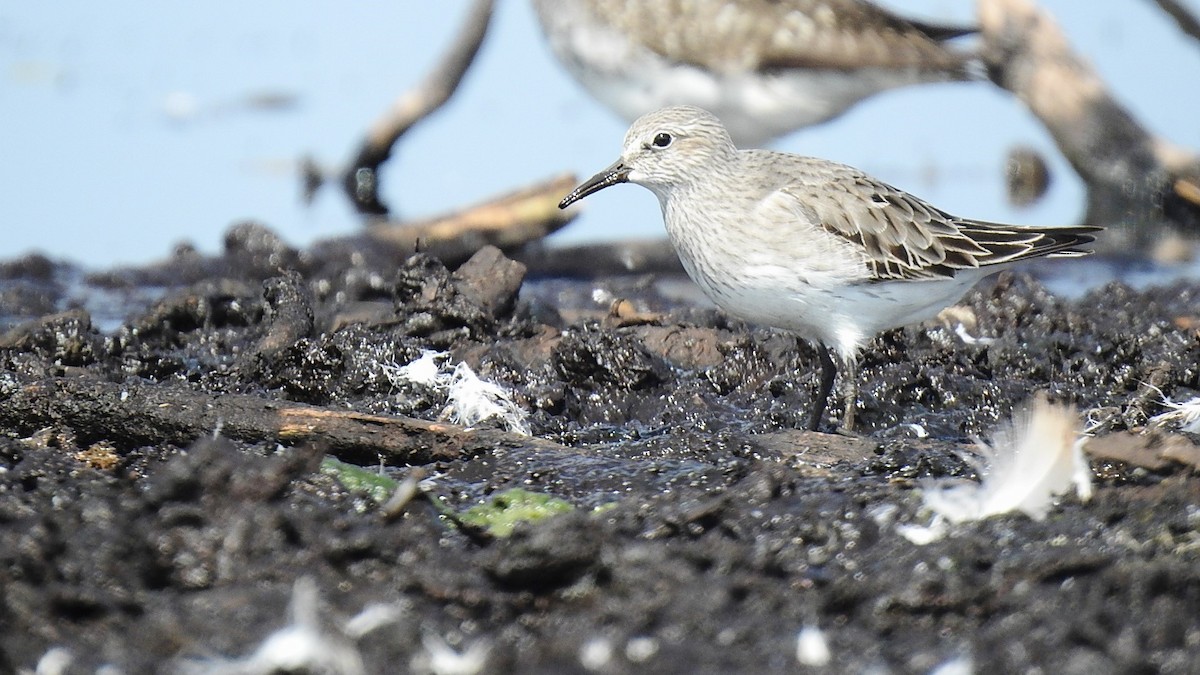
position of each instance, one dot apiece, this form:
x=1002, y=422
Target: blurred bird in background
x=764, y=67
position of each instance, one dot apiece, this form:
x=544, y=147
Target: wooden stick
x=1127, y=170
x=1187, y=22
x=506, y=222
x=360, y=179
x=144, y=413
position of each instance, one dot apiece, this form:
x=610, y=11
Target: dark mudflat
x=160, y=494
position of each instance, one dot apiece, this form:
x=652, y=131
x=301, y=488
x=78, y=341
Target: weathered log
x=360, y=179
x=145, y=413
x=1133, y=178
x=507, y=222
x=1187, y=22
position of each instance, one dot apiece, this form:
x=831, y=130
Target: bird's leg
x=848, y=390
x=828, y=373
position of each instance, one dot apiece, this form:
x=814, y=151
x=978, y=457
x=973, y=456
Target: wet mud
x=163, y=501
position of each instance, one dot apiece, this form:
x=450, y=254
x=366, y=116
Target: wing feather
x=904, y=237
x=759, y=35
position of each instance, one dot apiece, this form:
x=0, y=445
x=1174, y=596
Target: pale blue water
x=128, y=125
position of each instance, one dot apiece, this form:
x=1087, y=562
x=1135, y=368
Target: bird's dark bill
x=617, y=173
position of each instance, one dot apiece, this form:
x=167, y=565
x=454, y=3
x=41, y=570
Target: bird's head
x=664, y=150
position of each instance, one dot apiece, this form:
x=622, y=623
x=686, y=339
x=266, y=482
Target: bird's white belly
x=841, y=315
x=755, y=107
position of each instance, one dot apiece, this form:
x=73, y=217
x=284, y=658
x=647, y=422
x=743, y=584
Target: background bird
x=765, y=67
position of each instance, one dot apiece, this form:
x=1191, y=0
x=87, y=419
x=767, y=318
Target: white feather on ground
x=472, y=400
x=469, y=400
x=812, y=648
x=425, y=370
x=1185, y=416
x=302, y=646
x=438, y=658
x=1031, y=460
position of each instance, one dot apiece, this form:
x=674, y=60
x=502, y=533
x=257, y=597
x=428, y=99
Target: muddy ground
x=159, y=514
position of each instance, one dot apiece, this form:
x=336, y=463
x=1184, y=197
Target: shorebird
x=808, y=245
x=765, y=67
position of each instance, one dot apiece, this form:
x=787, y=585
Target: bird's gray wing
x=850, y=34
x=902, y=236
x=755, y=35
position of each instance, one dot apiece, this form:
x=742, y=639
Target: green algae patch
x=360, y=480
x=500, y=514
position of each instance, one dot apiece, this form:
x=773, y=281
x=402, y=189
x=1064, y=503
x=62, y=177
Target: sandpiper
x=764, y=67
x=809, y=245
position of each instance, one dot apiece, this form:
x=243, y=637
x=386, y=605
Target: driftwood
x=1132, y=177
x=360, y=178
x=144, y=413
x=1187, y=22
x=506, y=222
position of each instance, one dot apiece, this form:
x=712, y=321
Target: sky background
x=131, y=127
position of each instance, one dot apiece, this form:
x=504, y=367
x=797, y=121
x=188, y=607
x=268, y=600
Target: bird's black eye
x=662, y=140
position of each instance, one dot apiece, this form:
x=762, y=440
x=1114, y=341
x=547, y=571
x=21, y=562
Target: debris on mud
x=163, y=501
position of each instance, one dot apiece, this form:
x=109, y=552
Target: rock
x=66, y=338
x=490, y=280
x=544, y=555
